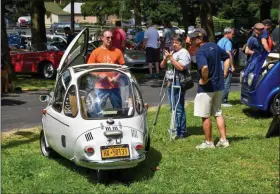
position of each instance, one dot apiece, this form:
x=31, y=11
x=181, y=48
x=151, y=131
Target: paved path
x=23, y=110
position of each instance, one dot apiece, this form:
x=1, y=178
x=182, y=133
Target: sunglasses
x=108, y=37
x=259, y=28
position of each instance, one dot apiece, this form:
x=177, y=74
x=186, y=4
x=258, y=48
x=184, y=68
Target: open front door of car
x=76, y=52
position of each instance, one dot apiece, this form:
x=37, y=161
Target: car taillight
x=89, y=149
x=139, y=147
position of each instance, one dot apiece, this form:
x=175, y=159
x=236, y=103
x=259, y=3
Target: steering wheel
x=90, y=99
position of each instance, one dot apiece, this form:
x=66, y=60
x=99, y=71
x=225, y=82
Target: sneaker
x=223, y=143
x=226, y=105
x=205, y=145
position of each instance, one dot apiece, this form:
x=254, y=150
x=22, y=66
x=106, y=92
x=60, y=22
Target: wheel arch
x=41, y=65
x=270, y=98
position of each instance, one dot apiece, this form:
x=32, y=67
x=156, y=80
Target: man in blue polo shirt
x=211, y=83
x=225, y=44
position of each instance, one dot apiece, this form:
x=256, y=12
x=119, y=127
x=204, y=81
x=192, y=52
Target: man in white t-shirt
x=151, y=44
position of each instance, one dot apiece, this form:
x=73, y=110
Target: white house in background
x=78, y=17
x=54, y=13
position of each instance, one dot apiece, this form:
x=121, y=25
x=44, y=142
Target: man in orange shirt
x=107, y=85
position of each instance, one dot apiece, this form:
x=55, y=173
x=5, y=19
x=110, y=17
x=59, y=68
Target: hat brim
x=193, y=35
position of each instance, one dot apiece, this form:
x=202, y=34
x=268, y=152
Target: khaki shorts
x=208, y=104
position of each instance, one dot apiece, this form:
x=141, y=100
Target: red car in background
x=42, y=59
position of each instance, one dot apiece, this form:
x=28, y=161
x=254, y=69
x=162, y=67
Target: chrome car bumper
x=111, y=164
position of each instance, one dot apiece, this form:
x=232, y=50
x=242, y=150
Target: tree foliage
x=159, y=11
x=101, y=9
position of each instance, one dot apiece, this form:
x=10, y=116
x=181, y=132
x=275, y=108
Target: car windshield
x=43, y=47
x=105, y=95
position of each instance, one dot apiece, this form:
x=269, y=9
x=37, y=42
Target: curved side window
x=58, y=96
x=61, y=86
x=70, y=103
x=139, y=104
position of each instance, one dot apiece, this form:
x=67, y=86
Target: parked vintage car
x=60, y=41
x=42, y=58
x=134, y=59
x=24, y=21
x=58, y=28
x=260, y=83
x=101, y=131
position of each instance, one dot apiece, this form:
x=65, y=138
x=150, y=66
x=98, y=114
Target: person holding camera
x=177, y=60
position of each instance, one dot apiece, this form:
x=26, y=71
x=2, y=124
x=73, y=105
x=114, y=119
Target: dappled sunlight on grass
x=32, y=83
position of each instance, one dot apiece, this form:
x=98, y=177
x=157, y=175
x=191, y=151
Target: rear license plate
x=111, y=152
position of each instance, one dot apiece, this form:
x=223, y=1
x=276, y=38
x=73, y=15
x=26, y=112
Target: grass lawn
x=249, y=165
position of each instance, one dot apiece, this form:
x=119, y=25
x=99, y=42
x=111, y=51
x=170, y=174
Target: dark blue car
x=260, y=83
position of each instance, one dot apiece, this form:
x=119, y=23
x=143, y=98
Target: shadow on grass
x=144, y=171
x=16, y=142
x=193, y=130
x=235, y=102
x=256, y=113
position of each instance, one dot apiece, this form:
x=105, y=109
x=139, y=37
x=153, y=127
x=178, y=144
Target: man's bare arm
x=226, y=67
x=265, y=45
x=248, y=51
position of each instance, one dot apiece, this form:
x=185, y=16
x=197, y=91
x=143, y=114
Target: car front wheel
x=48, y=71
x=48, y=152
x=275, y=105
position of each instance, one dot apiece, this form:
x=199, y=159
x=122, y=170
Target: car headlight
x=250, y=78
x=241, y=76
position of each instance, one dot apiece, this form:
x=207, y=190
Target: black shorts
x=152, y=55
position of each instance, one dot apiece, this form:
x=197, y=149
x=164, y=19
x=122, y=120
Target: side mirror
x=44, y=98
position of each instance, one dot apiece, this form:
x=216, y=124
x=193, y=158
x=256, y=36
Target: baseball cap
x=198, y=32
x=259, y=26
x=191, y=29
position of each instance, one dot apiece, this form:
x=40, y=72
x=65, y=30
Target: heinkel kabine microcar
x=260, y=82
x=101, y=129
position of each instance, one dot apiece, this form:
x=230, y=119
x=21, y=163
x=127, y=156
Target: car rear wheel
x=275, y=105
x=48, y=71
x=48, y=152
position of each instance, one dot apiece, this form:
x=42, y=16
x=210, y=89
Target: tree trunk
x=137, y=12
x=207, y=20
x=184, y=10
x=38, y=28
x=5, y=55
x=265, y=7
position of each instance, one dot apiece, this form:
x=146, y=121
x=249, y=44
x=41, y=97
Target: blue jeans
x=103, y=94
x=227, y=88
x=181, y=128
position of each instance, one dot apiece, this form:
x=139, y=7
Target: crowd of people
x=214, y=62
